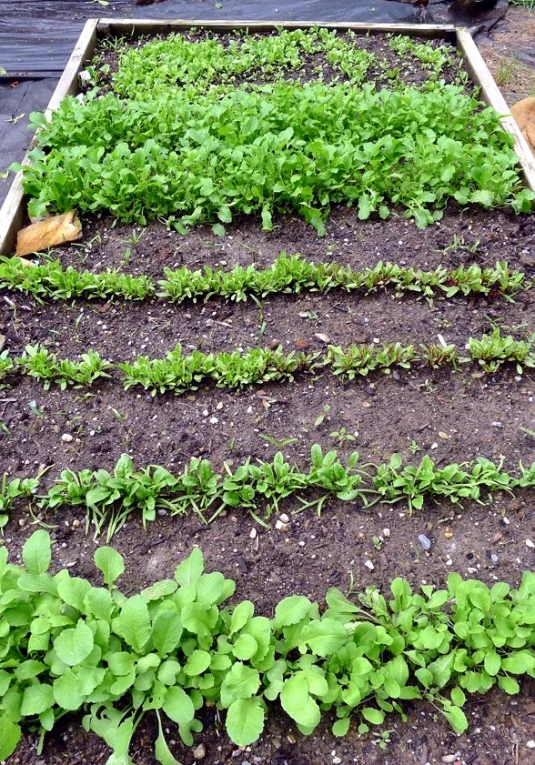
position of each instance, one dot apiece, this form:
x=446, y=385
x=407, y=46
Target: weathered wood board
x=13, y=211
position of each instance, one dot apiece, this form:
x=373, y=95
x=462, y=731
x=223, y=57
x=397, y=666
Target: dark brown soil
x=453, y=416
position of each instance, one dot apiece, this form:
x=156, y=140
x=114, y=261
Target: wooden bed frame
x=13, y=211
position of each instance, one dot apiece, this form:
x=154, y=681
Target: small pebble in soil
x=284, y=518
x=369, y=565
x=281, y=526
x=449, y=758
x=214, y=420
x=425, y=542
x=386, y=533
x=253, y=533
x=497, y=424
x=67, y=438
x=530, y=744
x=530, y=544
x=199, y=753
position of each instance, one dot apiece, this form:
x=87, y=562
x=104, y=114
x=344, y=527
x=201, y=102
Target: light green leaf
x=36, y=553
x=341, y=727
x=178, y=706
x=509, y=684
x=245, y=721
x=373, y=716
x=74, y=645
x=67, y=691
x=36, y=699
x=245, y=647
x=190, y=570
x=291, y=610
x=492, y=663
x=241, y=615
x=297, y=702
x=457, y=696
x=133, y=623
x=73, y=590
x=110, y=563
x=10, y=734
x=325, y=637
x=121, y=663
x=166, y=631
x=241, y=682
x=161, y=750
x=197, y=663
x=456, y=718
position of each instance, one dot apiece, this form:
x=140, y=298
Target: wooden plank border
x=13, y=210
x=490, y=92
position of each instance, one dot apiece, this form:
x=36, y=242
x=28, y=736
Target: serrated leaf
x=36, y=553
x=245, y=721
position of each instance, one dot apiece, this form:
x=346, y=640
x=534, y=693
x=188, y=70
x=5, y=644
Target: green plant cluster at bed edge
x=199, y=150
x=109, y=499
x=69, y=646
x=288, y=274
x=235, y=370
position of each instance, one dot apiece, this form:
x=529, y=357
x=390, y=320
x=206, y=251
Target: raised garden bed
x=252, y=378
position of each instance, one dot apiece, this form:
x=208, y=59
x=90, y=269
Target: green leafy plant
x=42, y=364
x=69, y=646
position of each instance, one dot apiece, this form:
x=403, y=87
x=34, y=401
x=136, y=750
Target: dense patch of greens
x=288, y=274
x=206, y=152
x=67, y=645
x=110, y=498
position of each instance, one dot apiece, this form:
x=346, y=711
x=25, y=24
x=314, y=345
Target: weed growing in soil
x=110, y=498
x=68, y=646
x=212, y=149
x=288, y=274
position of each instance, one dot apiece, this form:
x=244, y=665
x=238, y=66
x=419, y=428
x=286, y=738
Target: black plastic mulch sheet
x=37, y=36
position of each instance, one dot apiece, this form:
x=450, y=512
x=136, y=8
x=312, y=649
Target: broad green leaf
x=373, y=716
x=197, y=663
x=297, y=702
x=159, y=590
x=214, y=588
x=456, y=718
x=110, y=563
x=36, y=553
x=67, y=691
x=457, y=696
x=121, y=663
x=245, y=647
x=36, y=699
x=341, y=727
x=241, y=615
x=133, y=623
x=199, y=619
x=10, y=734
x=518, y=663
x=190, y=570
x=166, y=631
x=325, y=637
x=241, y=682
x=178, y=706
x=245, y=721
x=168, y=671
x=74, y=645
x=492, y=663
x=291, y=610
x=99, y=603
x=73, y=590
x=509, y=684
x=25, y=671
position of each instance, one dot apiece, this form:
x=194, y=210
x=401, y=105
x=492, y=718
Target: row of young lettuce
x=202, y=129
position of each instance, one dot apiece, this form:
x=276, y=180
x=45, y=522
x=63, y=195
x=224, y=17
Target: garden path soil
x=453, y=416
